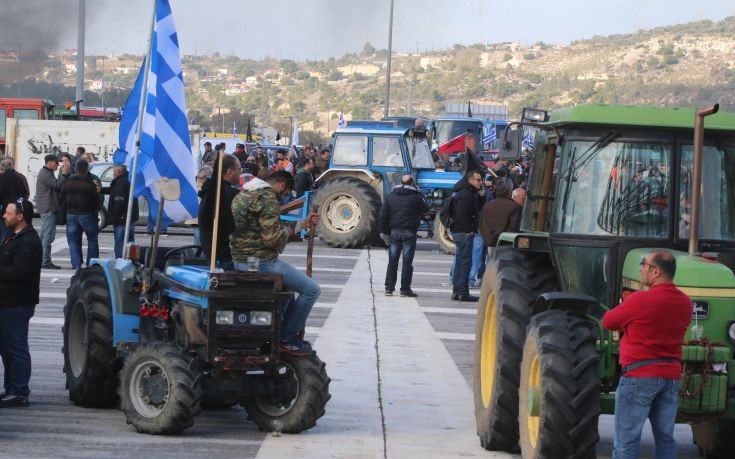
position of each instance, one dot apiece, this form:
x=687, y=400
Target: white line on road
x=53, y=295
x=457, y=336
x=450, y=311
x=301, y=255
x=448, y=291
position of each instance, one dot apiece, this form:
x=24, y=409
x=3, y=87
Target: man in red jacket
x=654, y=322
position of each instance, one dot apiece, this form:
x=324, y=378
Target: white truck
x=28, y=141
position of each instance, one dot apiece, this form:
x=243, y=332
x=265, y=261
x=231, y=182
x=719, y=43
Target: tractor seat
x=146, y=253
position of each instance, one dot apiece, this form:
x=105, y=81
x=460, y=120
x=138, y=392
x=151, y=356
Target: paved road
x=400, y=369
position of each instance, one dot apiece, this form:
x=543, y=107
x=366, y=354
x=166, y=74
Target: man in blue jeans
x=400, y=216
x=465, y=207
x=81, y=201
x=20, y=276
x=259, y=235
x=654, y=322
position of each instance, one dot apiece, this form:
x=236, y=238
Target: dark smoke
x=38, y=25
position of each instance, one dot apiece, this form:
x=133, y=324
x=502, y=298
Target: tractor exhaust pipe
x=697, y=176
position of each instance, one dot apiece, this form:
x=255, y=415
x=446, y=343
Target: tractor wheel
x=161, y=389
x=299, y=398
x=89, y=358
x=512, y=281
x=443, y=236
x=715, y=439
x=559, y=392
x=349, y=212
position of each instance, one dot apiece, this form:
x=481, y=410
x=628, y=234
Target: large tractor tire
x=559, y=392
x=349, y=212
x=443, y=237
x=715, y=439
x=299, y=399
x=512, y=281
x=161, y=389
x=89, y=358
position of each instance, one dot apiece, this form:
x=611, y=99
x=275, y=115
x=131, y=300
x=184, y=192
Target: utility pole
x=80, y=51
x=410, y=87
x=390, y=52
x=102, y=92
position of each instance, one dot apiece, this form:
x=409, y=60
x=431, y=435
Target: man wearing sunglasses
x=20, y=275
x=654, y=322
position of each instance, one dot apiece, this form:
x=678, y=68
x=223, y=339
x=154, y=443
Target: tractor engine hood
x=432, y=180
x=692, y=272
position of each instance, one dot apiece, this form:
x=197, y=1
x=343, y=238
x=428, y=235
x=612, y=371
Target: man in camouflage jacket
x=259, y=233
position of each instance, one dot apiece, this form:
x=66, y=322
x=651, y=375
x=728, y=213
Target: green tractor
x=608, y=185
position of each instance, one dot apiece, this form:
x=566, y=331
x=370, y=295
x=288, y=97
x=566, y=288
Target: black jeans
x=14, y=348
x=462, y=262
x=401, y=241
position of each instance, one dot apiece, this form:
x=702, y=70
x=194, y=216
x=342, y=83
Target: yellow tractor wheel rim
x=534, y=393
x=489, y=345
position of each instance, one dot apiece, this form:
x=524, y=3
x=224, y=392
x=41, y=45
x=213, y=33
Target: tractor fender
x=564, y=301
x=366, y=175
x=125, y=305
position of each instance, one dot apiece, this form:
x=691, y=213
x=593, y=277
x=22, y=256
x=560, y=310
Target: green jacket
x=258, y=230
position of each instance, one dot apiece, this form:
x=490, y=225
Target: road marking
x=450, y=311
x=430, y=290
x=57, y=273
x=52, y=295
x=422, y=260
x=301, y=255
x=457, y=336
x=125, y=439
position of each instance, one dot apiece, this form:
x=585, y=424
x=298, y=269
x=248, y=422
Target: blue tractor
x=161, y=335
x=368, y=160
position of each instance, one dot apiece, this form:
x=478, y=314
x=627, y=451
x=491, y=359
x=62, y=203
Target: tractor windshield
x=418, y=151
x=614, y=188
x=717, y=210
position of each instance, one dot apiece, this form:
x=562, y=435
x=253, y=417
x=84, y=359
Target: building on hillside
x=363, y=69
x=432, y=61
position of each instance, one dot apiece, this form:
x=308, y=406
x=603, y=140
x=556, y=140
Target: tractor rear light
x=261, y=317
x=731, y=331
x=133, y=252
x=523, y=243
x=225, y=317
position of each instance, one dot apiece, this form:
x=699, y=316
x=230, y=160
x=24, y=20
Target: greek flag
x=234, y=130
x=528, y=141
x=165, y=148
x=490, y=136
x=341, y=123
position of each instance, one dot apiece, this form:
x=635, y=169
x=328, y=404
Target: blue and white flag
x=341, y=123
x=295, y=135
x=165, y=148
x=234, y=130
x=528, y=141
x=490, y=136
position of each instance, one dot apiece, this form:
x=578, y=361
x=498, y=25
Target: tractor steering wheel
x=168, y=255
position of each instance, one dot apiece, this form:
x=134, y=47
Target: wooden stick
x=215, y=227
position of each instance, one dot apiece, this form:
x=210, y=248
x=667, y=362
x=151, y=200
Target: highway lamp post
x=387, y=71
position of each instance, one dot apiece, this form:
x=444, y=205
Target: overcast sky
x=308, y=29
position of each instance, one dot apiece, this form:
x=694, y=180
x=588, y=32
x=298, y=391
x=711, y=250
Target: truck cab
x=33, y=109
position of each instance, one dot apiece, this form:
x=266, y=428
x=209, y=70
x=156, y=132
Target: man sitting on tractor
x=259, y=236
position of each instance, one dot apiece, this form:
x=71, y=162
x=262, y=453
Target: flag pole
x=139, y=132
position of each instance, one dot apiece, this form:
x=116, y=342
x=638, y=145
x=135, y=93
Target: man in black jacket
x=400, y=217
x=81, y=202
x=208, y=194
x=11, y=188
x=20, y=276
x=465, y=207
x=117, y=208
x=304, y=178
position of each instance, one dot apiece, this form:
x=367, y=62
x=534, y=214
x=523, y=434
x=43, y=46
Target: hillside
x=684, y=65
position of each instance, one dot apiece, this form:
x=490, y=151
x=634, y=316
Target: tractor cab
x=608, y=185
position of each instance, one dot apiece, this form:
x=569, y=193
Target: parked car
x=104, y=170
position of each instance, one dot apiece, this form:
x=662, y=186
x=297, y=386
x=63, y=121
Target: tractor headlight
x=438, y=194
x=225, y=317
x=261, y=317
x=731, y=332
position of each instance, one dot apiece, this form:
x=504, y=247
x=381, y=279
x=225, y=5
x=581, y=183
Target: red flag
x=454, y=145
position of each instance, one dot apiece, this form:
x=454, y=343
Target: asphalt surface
x=401, y=372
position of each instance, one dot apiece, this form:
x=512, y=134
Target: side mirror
x=510, y=143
